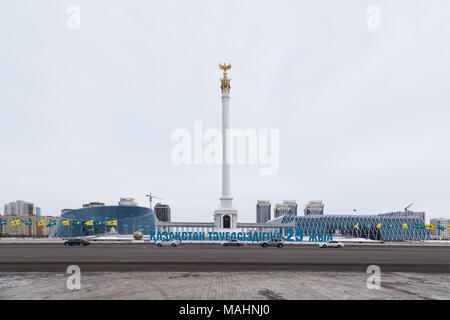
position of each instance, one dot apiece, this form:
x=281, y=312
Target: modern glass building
x=291, y=204
x=314, y=208
x=375, y=227
x=129, y=219
x=162, y=212
x=262, y=211
x=286, y=208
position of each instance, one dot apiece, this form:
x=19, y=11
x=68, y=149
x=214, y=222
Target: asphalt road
x=204, y=258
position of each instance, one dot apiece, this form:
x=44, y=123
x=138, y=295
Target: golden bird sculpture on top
x=225, y=86
x=225, y=67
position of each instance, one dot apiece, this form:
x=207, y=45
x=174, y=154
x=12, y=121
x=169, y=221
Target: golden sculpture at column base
x=138, y=235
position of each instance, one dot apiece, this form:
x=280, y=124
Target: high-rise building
x=262, y=211
x=288, y=207
x=281, y=209
x=19, y=208
x=293, y=205
x=441, y=231
x=162, y=212
x=37, y=211
x=314, y=208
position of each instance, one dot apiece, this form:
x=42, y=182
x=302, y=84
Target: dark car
x=233, y=243
x=76, y=242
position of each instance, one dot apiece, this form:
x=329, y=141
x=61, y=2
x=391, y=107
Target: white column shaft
x=226, y=177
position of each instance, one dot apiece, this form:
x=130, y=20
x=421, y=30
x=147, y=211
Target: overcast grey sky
x=87, y=115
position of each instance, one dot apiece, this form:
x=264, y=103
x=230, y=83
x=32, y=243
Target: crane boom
x=406, y=208
x=150, y=197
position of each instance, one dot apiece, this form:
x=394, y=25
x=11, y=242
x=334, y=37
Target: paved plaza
x=224, y=285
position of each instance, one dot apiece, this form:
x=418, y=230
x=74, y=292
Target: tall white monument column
x=226, y=216
x=225, y=200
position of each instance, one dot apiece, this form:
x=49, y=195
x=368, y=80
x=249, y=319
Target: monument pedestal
x=225, y=219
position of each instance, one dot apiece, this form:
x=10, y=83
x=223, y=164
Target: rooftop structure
x=128, y=202
x=93, y=204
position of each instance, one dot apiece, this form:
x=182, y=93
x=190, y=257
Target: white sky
x=363, y=115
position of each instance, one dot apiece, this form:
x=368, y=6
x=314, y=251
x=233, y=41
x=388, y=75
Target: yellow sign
x=90, y=223
x=41, y=222
x=379, y=226
x=357, y=226
x=15, y=222
x=405, y=226
x=430, y=227
x=66, y=222
x=111, y=223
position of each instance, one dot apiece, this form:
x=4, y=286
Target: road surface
x=205, y=258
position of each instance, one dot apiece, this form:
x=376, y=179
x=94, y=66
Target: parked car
x=76, y=242
x=233, y=243
x=331, y=244
x=272, y=243
x=167, y=242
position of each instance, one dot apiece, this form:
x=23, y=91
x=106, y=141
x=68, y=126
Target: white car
x=331, y=244
x=167, y=242
x=272, y=243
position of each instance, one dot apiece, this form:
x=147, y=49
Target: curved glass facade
x=129, y=219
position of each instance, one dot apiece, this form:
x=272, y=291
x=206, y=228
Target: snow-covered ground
x=225, y=285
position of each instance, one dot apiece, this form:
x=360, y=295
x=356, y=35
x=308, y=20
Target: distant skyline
x=87, y=115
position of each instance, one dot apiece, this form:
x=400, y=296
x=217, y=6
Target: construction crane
x=406, y=208
x=150, y=197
